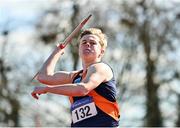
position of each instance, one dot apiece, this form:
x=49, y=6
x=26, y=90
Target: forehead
x=90, y=37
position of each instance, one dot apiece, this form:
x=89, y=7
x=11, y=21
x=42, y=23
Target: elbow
x=83, y=91
x=42, y=79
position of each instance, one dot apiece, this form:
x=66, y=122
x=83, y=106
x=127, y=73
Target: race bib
x=83, y=109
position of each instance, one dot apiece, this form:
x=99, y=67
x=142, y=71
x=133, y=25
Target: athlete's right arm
x=46, y=74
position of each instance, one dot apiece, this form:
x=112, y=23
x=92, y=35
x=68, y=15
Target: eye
x=93, y=43
x=83, y=42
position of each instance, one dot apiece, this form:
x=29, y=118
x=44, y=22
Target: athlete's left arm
x=96, y=74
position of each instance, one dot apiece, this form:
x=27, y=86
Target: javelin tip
x=84, y=22
x=89, y=17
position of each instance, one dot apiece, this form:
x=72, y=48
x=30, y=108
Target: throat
x=87, y=64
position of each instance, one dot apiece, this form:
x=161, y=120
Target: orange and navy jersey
x=99, y=108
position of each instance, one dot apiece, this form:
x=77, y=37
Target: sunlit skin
x=90, y=52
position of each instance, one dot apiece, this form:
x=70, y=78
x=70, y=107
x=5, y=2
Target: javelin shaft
x=70, y=37
x=76, y=30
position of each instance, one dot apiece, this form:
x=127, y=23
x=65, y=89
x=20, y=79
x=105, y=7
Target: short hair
x=98, y=33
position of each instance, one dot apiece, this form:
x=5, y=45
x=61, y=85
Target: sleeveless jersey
x=97, y=109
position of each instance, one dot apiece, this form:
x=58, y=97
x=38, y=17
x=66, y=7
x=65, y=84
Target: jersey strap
x=75, y=76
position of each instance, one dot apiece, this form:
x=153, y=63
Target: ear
x=102, y=53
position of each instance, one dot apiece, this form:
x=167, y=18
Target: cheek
x=98, y=49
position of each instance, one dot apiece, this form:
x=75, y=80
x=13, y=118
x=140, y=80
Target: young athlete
x=92, y=90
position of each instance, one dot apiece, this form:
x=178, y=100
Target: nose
x=87, y=44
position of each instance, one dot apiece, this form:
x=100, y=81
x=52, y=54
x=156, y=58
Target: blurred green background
x=143, y=49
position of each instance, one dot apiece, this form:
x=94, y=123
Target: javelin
x=70, y=37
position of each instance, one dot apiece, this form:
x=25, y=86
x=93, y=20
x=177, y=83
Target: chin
x=88, y=57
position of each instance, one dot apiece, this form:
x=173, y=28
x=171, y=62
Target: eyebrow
x=89, y=40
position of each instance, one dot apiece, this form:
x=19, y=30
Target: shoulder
x=103, y=69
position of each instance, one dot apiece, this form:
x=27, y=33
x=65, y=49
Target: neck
x=86, y=64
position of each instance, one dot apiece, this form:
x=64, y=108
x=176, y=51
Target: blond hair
x=98, y=33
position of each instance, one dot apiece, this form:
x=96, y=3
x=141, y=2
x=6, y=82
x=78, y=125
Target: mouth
x=87, y=50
